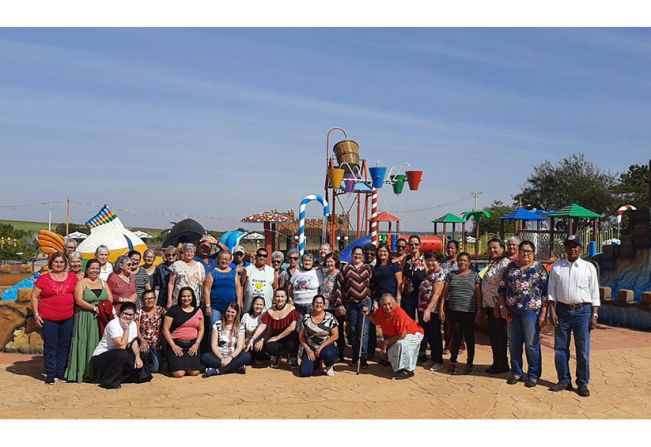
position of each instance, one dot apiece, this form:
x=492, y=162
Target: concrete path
x=621, y=388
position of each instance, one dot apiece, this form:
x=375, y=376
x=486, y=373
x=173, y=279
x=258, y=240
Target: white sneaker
x=330, y=372
x=436, y=366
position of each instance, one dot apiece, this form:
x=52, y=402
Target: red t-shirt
x=188, y=330
x=277, y=326
x=57, y=301
x=398, y=323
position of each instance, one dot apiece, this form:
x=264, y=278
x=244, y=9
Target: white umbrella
x=142, y=234
x=254, y=236
x=76, y=235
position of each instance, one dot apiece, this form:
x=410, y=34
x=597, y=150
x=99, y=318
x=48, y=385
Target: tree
x=633, y=186
x=497, y=209
x=61, y=229
x=572, y=180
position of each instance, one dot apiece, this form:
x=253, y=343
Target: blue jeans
x=578, y=322
x=57, y=336
x=357, y=332
x=328, y=356
x=216, y=315
x=212, y=361
x=151, y=357
x=524, y=329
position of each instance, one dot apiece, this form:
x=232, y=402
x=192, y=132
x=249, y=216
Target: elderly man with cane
x=402, y=336
x=573, y=290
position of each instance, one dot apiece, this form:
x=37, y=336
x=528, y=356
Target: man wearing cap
x=574, y=301
x=239, y=263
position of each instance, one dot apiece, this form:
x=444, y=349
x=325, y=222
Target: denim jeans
x=215, y=316
x=57, y=336
x=524, y=330
x=151, y=357
x=578, y=322
x=357, y=332
x=328, y=357
x=212, y=361
x=341, y=341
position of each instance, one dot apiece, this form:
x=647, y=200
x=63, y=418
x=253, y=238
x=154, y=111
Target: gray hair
x=117, y=265
x=69, y=239
x=307, y=255
x=102, y=246
x=291, y=252
x=514, y=238
x=390, y=295
x=149, y=250
x=74, y=254
x=278, y=255
x=325, y=244
x=188, y=247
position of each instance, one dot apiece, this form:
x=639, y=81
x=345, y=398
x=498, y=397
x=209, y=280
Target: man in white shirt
x=105, y=268
x=261, y=280
x=574, y=301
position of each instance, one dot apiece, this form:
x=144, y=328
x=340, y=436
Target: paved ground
x=621, y=388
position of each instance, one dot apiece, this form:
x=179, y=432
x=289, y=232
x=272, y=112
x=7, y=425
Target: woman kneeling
x=116, y=359
x=183, y=330
x=227, y=344
x=402, y=336
x=318, y=334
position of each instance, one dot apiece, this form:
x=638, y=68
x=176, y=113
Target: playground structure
x=348, y=175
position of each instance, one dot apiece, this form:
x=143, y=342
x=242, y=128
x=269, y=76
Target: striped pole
x=301, y=218
x=373, y=216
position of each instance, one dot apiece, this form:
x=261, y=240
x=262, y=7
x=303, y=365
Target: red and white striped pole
x=374, y=239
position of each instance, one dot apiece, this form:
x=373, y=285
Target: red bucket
x=414, y=178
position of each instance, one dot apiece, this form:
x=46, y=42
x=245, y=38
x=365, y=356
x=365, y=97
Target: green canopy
x=449, y=218
x=575, y=210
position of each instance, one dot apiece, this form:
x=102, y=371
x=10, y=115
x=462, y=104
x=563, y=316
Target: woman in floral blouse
x=490, y=283
x=523, y=304
x=150, y=321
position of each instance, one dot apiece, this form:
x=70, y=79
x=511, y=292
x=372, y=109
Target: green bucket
x=398, y=182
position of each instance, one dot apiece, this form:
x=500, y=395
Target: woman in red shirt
x=281, y=320
x=53, y=305
x=402, y=336
x=122, y=283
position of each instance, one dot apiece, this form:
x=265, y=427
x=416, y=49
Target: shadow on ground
x=32, y=368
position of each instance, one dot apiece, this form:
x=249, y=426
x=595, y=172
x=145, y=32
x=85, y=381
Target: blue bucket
x=377, y=176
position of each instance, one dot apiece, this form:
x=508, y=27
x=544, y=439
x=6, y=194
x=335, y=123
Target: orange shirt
x=398, y=323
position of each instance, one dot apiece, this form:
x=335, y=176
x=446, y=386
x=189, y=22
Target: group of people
x=206, y=309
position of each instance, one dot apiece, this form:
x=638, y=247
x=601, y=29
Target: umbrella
x=188, y=230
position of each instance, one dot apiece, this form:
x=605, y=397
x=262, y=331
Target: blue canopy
x=522, y=214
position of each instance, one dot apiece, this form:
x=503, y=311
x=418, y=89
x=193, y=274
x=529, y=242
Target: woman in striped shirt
x=461, y=300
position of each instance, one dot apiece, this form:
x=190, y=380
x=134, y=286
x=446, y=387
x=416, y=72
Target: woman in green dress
x=85, y=334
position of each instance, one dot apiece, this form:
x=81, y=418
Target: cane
x=361, y=344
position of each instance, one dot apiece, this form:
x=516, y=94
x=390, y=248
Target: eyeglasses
x=294, y=258
x=411, y=244
x=261, y=256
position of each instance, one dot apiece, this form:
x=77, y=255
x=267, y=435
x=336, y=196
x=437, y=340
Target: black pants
x=287, y=345
x=212, y=361
x=114, y=367
x=497, y=329
x=409, y=303
x=463, y=325
x=341, y=340
x=432, y=336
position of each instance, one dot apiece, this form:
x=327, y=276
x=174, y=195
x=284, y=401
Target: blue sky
x=223, y=123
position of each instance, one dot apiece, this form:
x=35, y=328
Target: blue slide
x=346, y=255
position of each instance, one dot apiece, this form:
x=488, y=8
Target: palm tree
x=476, y=216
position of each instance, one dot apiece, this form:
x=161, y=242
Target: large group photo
x=325, y=223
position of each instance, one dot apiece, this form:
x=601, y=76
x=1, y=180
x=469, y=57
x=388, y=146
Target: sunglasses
x=294, y=258
x=411, y=244
x=261, y=256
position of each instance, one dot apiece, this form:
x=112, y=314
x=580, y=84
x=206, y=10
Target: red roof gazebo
x=386, y=217
x=269, y=219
